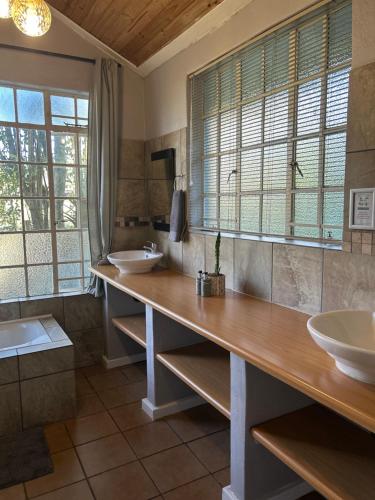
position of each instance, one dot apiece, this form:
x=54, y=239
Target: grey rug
x=24, y=456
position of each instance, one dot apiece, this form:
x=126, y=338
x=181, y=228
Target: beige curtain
x=102, y=164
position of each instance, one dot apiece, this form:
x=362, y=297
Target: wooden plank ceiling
x=136, y=29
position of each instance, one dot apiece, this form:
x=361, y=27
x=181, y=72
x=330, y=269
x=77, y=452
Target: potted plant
x=217, y=279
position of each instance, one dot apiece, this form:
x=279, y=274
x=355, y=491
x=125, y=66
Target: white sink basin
x=134, y=261
x=349, y=337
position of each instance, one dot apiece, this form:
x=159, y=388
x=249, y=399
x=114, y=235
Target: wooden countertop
x=271, y=337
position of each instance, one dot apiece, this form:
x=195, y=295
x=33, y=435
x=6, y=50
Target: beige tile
x=349, y=281
x=129, y=238
x=8, y=367
x=366, y=249
x=367, y=238
x=213, y=450
x=104, y=454
x=82, y=386
x=82, y=312
x=252, y=268
x=45, y=362
x=197, y=422
x=9, y=311
x=131, y=198
x=130, y=416
x=356, y=237
x=77, y=491
x=109, y=380
x=88, y=346
x=173, y=140
x=152, y=438
x=357, y=248
x=136, y=372
x=39, y=307
x=193, y=254
x=151, y=146
x=13, y=493
x=204, y=488
x=226, y=257
x=172, y=468
x=57, y=437
x=131, y=159
x=159, y=196
x=125, y=394
x=89, y=405
x=129, y=482
x=90, y=371
x=223, y=477
x=67, y=470
x=10, y=409
x=297, y=277
x=85, y=429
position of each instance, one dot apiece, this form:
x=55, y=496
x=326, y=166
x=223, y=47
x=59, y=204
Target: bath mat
x=24, y=456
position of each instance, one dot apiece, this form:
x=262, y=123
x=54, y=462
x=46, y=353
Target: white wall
x=166, y=87
x=34, y=69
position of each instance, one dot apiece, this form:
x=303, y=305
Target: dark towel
x=177, y=216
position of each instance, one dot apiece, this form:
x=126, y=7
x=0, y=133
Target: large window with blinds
x=268, y=132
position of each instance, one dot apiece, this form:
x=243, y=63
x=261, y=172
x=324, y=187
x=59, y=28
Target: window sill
x=271, y=239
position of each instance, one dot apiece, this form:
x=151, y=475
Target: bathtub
x=23, y=333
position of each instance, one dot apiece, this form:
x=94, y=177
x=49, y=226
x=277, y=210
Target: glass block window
x=268, y=132
x=44, y=246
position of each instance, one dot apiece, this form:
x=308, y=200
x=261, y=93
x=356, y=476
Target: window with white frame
x=268, y=132
x=44, y=247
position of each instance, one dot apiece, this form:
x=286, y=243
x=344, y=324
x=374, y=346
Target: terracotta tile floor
x=113, y=450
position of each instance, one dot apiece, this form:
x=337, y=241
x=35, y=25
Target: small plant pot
x=217, y=284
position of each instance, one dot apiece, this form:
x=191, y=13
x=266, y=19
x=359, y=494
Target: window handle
x=58, y=221
x=294, y=164
x=233, y=172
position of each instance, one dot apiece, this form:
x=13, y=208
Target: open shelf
x=205, y=367
x=134, y=326
x=336, y=457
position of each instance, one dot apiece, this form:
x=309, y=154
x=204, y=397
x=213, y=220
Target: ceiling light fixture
x=32, y=17
x=5, y=9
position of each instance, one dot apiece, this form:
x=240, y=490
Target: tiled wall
x=79, y=315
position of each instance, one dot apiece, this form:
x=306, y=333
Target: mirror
x=160, y=187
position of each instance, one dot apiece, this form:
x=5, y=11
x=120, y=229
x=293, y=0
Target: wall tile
x=88, y=346
x=361, y=118
x=151, y=146
x=193, y=254
x=226, y=257
x=82, y=312
x=48, y=399
x=172, y=251
x=8, y=367
x=252, y=268
x=129, y=238
x=159, y=194
x=173, y=140
x=46, y=362
x=9, y=311
x=10, y=409
x=39, y=307
x=131, y=159
x=297, y=277
x=348, y=281
x=131, y=198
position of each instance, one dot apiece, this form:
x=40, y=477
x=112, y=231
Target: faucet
x=152, y=248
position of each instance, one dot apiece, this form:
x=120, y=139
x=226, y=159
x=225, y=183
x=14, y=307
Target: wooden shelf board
x=335, y=456
x=134, y=326
x=205, y=367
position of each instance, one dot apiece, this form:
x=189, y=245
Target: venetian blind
x=268, y=132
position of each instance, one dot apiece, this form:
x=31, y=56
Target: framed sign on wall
x=362, y=208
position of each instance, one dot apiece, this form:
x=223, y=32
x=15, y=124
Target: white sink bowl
x=134, y=261
x=349, y=337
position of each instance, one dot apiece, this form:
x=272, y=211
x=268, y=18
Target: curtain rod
x=53, y=54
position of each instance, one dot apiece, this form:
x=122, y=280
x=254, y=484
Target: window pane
x=210, y=93
x=33, y=144
x=251, y=165
x=308, y=108
x=340, y=36
x=273, y=217
x=66, y=214
x=40, y=280
x=63, y=122
x=250, y=206
x=210, y=212
x=276, y=116
x=86, y=245
x=68, y=246
x=277, y=61
x=83, y=182
x=334, y=168
x=307, y=157
x=70, y=285
x=9, y=180
x=38, y=248
x=36, y=214
x=8, y=143
x=10, y=215
x=210, y=135
x=251, y=73
x=65, y=181
x=332, y=233
x=227, y=86
x=83, y=123
x=275, y=167
x=210, y=175
x=337, y=98
x=333, y=208
x=83, y=149
x=306, y=208
x=7, y=113
x=227, y=212
x=310, y=49
x=83, y=214
x=83, y=108
x=227, y=175
x=306, y=232
x=228, y=131
x=11, y=246
x=61, y=105
x=12, y=283
x=63, y=148
x=35, y=180
x=251, y=124
x=86, y=265
x=69, y=270
x=30, y=106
